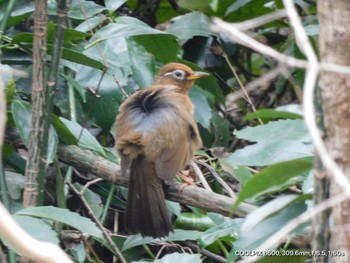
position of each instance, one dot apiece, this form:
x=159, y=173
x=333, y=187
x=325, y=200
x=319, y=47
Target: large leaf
x=37, y=228
x=202, y=112
x=177, y=235
x=80, y=10
x=15, y=184
x=267, y=114
x=230, y=228
x=84, y=137
x=270, y=208
x=199, y=222
x=190, y=25
x=273, y=176
x=142, y=65
x=69, y=35
x=113, y=5
x=63, y=216
x=283, y=129
x=133, y=27
x=250, y=240
x=163, y=47
x=22, y=115
x=246, y=9
x=194, y=4
x=183, y=258
x=93, y=199
x=21, y=10
x=277, y=141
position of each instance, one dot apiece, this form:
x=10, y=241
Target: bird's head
x=179, y=75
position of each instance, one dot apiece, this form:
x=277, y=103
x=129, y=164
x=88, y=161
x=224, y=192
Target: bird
x=156, y=136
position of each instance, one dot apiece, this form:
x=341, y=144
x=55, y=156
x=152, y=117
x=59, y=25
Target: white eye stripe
x=177, y=74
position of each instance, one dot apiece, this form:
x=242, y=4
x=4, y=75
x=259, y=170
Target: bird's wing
x=170, y=161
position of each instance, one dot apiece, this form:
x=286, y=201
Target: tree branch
x=190, y=195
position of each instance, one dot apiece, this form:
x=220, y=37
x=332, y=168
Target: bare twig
x=241, y=38
x=98, y=223
x=259, y=21
x=246, y=95
x=200, y=176
x=218, y=178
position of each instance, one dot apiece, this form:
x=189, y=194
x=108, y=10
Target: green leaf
x=267, y=114
x=94, y=200
x=177, y=235
x=229, y=228
x=113, y=5
x=21, y=112
x=15, y=184
x=247, y=9
x=221, y=130
x=250, y=240
x=266, y=153
x=69, y=35
x=282, y=129
x=37, y=228
x=91, y=23
x=277, y=141
x=80, y=89
x=80, y=58
x=117, y=30
x=86, y=139
x=80, y=10
x=142, y=65
x=191, y=221
x=63, y=216
x=63, y=132
x=240, y=173
x=270, y=208
x=183, y=258
x=272, y=176
x=190, y=25
x=194, y=4
x=164, y=47
x=21, y=10
x=202, y=111
x=22, y=116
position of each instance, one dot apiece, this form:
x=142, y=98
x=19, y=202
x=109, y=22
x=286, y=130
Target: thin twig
x=88, y=113
x=218, y=178
x=259, y=21
x=98, y=223
x=241, y=38
x=88, y=184
x=246, y=95
x=200, y=176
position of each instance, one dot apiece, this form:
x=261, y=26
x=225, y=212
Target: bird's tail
x=146, y=211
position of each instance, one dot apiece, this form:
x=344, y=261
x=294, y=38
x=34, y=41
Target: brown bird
x=156, y=136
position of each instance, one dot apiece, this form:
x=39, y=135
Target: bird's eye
x=178, y=74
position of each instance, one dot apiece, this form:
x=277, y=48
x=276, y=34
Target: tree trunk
x=36, y=164
x=334, y=39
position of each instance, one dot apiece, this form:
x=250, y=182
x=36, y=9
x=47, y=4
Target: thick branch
x=189, y=195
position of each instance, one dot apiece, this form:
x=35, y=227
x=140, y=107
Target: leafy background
x=116, y=46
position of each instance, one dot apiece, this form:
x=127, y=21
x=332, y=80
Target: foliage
x=116, y=47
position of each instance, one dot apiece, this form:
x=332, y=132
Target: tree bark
x=189, y=195
x=36, y=164
x=334, y=39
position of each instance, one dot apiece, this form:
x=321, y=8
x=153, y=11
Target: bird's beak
x=197, y=75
